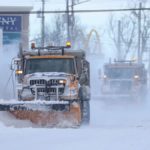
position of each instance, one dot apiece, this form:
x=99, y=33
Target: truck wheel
x=85, y=111
x=85, y=107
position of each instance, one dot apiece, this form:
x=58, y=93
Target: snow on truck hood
x=47, y=74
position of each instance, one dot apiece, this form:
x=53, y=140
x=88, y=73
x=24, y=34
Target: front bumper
x=42, y=93
x=35, y=106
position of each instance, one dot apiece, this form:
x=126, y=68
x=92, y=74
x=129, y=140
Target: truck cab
x=55, y=74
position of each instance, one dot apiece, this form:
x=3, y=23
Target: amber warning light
x=19, y=72
x=68, y=44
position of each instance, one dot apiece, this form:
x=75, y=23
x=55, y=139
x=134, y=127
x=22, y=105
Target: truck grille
x=38, y=82
x=47, y=86
x=44, y=82
x=53, y=82
x=121, y=86
x=51, y=91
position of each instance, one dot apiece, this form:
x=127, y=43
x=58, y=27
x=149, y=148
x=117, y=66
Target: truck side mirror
x=15, y=63
x=16, y=60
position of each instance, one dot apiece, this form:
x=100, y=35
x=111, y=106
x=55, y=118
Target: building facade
x=14, y=25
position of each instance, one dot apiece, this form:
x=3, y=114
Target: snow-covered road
x=112, y=127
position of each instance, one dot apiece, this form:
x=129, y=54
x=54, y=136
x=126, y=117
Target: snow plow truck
x=124, y=80
x=52, y=86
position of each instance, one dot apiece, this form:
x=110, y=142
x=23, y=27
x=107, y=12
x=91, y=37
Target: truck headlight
x=62, y=81
x=136, y=77
x=19, y=72
x=105, y=77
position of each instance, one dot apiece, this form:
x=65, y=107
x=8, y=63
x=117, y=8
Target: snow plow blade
x=34, y=106
x=54, y=113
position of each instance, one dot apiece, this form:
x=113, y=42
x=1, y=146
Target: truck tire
x=85, y=107
x=85, y=111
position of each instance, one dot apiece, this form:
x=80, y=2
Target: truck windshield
x=121, y=73
x=50, y=65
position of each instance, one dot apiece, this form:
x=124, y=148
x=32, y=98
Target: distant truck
x=124, y=79
x=53, y=86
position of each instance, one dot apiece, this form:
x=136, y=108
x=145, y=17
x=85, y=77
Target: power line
x=76, y=11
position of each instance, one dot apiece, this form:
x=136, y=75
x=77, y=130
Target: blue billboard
x=10, y=23
x=12, y=27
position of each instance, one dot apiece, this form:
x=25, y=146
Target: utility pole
x=119, y=40
x=68, y=20
x=139, y=35
x=43, y=24
x=72, y=20
x=70, y=17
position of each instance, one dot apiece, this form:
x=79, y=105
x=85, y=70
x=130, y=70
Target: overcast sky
x=97, y=21
x=59, y=3
x=93, y=20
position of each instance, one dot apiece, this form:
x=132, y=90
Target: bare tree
x=145, y=25
x=56, y=32
x=126, y=33
x=129, y=30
